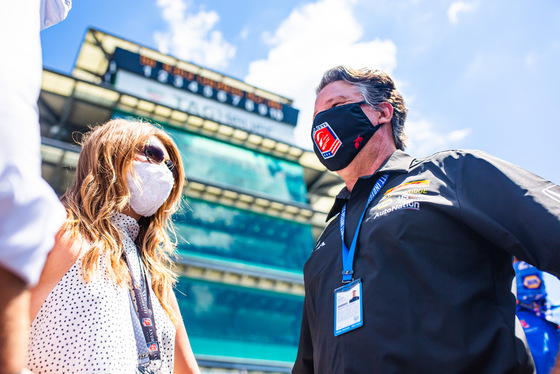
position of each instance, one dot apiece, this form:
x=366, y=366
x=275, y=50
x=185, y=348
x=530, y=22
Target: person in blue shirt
x=543, y=335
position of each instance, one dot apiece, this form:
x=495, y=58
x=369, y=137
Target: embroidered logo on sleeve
x=553, y=192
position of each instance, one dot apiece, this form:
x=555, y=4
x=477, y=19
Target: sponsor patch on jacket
x=391, y=206
x=404, y=196
x=326, y=140
x=415, y=185
x=532, y=281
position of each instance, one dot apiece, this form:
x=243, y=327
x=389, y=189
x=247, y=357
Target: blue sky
x=474, y=74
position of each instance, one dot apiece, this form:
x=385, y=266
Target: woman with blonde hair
x=105, y=300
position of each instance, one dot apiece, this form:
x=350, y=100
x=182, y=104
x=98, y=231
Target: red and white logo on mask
x=326, y=140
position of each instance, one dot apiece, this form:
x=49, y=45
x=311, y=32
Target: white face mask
x=155, y=185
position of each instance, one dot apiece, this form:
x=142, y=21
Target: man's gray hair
x=376, y=87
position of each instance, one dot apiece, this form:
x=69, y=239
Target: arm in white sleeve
x=30, y=213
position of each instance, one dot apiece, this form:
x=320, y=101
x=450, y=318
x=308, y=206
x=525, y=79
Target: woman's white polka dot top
x=87, y=327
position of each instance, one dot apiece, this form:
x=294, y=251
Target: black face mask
x=340, y=133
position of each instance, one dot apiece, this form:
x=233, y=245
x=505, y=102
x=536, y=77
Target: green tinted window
x=232, y=321
x=233, y=234
x=213, y=161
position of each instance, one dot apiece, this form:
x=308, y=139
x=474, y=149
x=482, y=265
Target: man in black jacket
x=426, y=243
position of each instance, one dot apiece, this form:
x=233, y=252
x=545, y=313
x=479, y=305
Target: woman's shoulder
x=67, y=249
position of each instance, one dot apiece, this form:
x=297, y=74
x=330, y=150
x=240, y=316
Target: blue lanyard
x=348, y=254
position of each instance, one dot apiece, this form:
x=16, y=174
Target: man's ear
x=386, y=112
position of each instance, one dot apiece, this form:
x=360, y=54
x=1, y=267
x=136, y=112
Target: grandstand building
x=253, y=203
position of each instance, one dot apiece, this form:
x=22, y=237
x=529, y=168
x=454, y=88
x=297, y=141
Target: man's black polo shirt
x=435, y=257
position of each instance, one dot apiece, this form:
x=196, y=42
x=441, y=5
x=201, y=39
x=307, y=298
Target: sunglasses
x=154, y=154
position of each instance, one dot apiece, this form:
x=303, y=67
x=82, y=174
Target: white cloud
x=191, y=36
x=244, y=33
x=531, y=59
x=314, y=38
x=424, y=140
x=457, y=8
x=537, y=56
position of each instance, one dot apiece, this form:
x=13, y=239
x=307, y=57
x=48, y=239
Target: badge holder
x=348, y=307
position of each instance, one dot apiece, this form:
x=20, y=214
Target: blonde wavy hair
x=100, y=189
